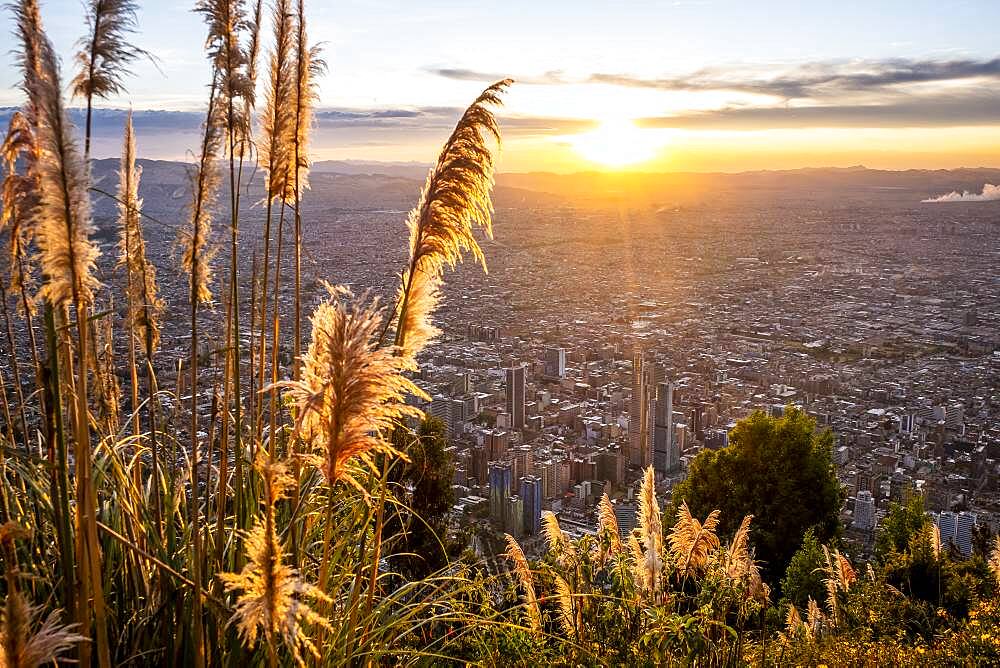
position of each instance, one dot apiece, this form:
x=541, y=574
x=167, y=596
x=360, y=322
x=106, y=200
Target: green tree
x=780, y=470
x=804, y=575
x=903, y=521
x=428, y=478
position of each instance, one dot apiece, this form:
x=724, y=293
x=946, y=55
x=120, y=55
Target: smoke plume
x=990, y=193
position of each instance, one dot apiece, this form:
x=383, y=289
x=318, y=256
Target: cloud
x=821, y=79
x=551, y=78
x=962, y=108
x=817, y=79
x=991, y=193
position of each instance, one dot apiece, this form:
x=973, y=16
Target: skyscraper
x=666, y=453
x=513, y=519
x=864, y=511
x=946, y=522
x=555, y=362
x=500, y=489
x=964, y=524
x=497, y=442
x=515, y=396
x=637, y=417
x=531, y=496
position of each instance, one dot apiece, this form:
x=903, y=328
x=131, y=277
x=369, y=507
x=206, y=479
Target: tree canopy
x=780, y=470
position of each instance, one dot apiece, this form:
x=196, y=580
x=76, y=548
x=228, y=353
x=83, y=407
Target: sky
x=683, y=85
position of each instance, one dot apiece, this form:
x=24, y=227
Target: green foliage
x=780, y=471
x=903, y=521
x=804, y=577
x=427, y=477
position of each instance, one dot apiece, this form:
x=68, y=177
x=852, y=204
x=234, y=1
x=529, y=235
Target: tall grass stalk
x=197, y=257
x=277, y=127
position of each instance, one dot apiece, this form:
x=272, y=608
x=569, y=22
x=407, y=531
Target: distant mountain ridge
x=369, y=185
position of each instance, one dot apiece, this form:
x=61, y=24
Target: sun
x=616, y=143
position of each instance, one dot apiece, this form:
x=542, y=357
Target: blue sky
x=694, y=74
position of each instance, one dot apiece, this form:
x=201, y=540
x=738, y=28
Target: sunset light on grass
x=380, y=333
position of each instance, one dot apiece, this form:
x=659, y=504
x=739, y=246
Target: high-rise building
x=964, y=524
x=637, y=417
x=515, y=396
x=864, y=511
x=625, y=517
x=610, y=466
x=497, y=442
x=513, y=518
x=947, y=526
x=500, y=489
x=666, y=453
x=531, y=496
x=523, y=459
x=555, y=362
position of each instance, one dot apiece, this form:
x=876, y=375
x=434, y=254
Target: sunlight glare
x=616, y=143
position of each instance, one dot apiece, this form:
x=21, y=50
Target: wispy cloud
x=551, y=78
x=960, y=109
x=811, y=80
x=817, y=79
x=991, y=193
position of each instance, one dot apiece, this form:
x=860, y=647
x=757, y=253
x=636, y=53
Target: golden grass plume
x=351, y=392
x=278, y=120
x=27, y=642
x=608, y=524
x=793, y=622
x=559, y=542
x=196, y=235
x=272, y=599
x=18, y=197
x=741, y=566
x=523, y=573
x=649, y=571
x=145, y=305
x=691, y=541
x=226, y=21
x=308, y=67
x=61, y=220
x=454, y=202
x=565, y=607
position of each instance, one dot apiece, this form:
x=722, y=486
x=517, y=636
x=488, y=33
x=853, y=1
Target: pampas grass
x=18, y=193
x=276, y=153
x=650, y=568
x=352, y=392
x=691, y=541
x=740, y=564
x=27, y=640
x=454, y=202
x=272, y=599
x=197, y=257
x=144, y=306
x=308, y=67
x=523, y=572
x=105, y=53
x=62, y=227
x=61, y=219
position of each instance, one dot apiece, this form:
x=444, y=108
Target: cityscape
x=606, y=339
x=573, y=334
